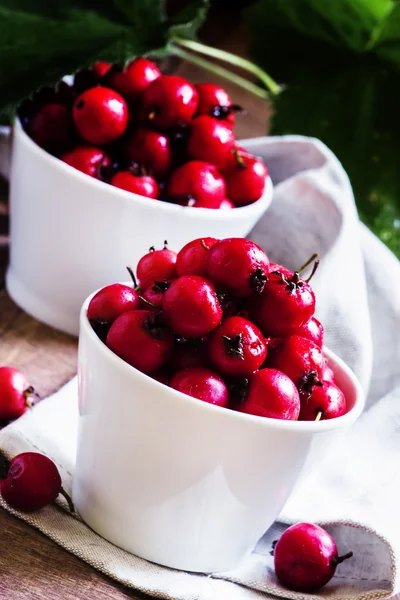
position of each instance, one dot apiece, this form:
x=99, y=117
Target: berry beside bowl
x=111, y=160
x=195, y=424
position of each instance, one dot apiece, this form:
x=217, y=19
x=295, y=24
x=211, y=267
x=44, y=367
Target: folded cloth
x=352, y=492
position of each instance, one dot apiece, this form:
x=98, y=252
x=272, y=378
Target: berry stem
x=306, y=264
x=150, y=303
x=319, y=416
x=68, y=499
x=340, y=559
x=239, y=159
x=315, y=267
x=132, y=274
x=221, y=72
x=271, y=85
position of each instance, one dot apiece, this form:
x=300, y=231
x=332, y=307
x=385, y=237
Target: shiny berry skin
x=312, y=330
x=169, y=100
x=155, y=294
x=100, y=115
x=198, y=181
x=238, y=265
x=286, y=303
x=101, y=68
x=237, y=347
x=192, y=258
x=299, y=358
x=306, y=557
x=210, y=140
x=32, y=482
x=190, y=353
x=213, y=98
x=15, y=394
x=156, y=265
x=211, y=203
x=138, y=338
x=144, y=185
x=328, y=374
x=88, y=160
x=191, y=307
x=151, y=150
x=52, y=128
x=202, y=384
x=245, y=181
x=135, y=78
x=112, y=301
x=271, y=394
x=325, y=401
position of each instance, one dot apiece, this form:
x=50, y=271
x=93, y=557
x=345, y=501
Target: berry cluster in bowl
x=154, y=135
x=218, y=321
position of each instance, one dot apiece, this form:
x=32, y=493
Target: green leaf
x=348, y=100
x=387, y=42
x=40, y=44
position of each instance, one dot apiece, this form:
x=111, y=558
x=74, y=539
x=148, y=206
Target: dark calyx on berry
x=295, y=281
x=258, y=279
x=222, y=112
x=308, y=382
x=234, y=345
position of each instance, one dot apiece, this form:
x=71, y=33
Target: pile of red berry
x=155, y=135
x=219, y=322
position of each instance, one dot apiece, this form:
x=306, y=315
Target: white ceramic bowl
x=178, y=481
x=82, y=233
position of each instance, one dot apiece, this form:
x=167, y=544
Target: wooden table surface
x=32, y=566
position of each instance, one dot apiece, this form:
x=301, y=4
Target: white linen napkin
x=353, y=491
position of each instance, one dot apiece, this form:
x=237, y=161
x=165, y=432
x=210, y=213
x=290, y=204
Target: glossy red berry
x=101, y=68
x=191, y=307
x=88, y=160
x=238, y=265
x=155, y=295
x=211, y=203
x=312, y=330
x=214, y=101
x=32, y=482
x=306, y=557
x=15, y=394
x=196, y=181
x=111, y=301
x=169, y=101
x=237, y=347
x=328, y=374
x=202, y=384
x=138, y=338
x=192, y=258
x=156, y=265
x=100, y=115
x=210, y=140
x=271, y=394
x=135, y=78
x=144, y=185
x=245, y=181
x=300, y=359
x=151, y=150
x=286, y=303
x=190, y=352
x=52, y=128
x=324, y=401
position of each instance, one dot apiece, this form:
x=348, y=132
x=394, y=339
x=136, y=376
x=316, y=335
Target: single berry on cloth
x=191, y=306
x=271, y=394
x=245, y=180
x=150, y=149
x=89, y=160
x=144, y=185
x=210, y=140
x=141, y=340
x=300, y=359
x=100, y=115
x=287, y=302
x=306, y=557
x=192, y=258
x=237, y=347
x=111, y=301
x=238, y=265
x=324, y=401
x=156, y=265
x=312, y=330
x=197, y=181
x=169, y=101
x=16, y=394
x=202, y=384
x=32, y=482
x=135, y=78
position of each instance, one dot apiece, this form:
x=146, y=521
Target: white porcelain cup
x=178, y=481
x=71, y=234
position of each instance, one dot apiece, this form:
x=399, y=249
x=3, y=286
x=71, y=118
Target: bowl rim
x=304, y=427
x=238, y=213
